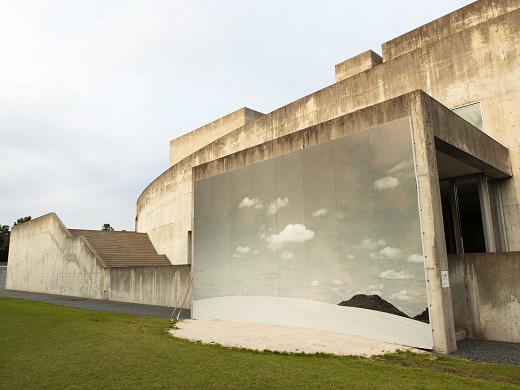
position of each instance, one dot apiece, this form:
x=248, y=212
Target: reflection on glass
x=472, y=113
x=326, y=237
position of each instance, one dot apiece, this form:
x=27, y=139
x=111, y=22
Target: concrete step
x=123, y=249
x=460, y=335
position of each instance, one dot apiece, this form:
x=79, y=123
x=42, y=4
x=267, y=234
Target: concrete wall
x=479, y=63
x=44, y=257
x=429, y=121
x=486, y=294
x=149, y=285
x=189, y=143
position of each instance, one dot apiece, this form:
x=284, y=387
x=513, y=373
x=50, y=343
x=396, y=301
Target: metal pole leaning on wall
x=190, y=278
x=184, y=292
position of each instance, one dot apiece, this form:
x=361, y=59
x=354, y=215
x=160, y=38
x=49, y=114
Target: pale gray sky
x=91, y=92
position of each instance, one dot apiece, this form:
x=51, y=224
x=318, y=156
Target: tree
x=107, y=227
x=5, y=235
x=19, y=221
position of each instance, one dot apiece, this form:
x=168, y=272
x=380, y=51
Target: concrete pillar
x=436, y=260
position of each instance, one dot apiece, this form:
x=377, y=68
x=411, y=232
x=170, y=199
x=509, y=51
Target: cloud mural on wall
x=368, y=243
x=242, y=250
x=415, y=258
x=276, y=205
x=292, y=233
x=249, y=202
x=394, y=275
x=401, y=296
x=347, y=231
x=320, y=213
x=387, y=253
x=385, y=183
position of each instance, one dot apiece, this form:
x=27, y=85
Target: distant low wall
x=485, y=289
x=149, y=285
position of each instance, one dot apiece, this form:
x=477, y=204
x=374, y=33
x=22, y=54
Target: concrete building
x=385, y=205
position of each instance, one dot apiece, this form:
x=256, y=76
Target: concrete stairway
x=123, y=249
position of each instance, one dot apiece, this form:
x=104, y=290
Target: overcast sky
x=91, y=92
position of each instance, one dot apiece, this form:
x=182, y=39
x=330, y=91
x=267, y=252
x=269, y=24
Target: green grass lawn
x=44, y=346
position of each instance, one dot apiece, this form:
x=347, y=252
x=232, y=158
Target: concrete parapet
x=357, y=64
x=189, y=143
x=453, y=23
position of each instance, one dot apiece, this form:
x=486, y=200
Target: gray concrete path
x=496, y=352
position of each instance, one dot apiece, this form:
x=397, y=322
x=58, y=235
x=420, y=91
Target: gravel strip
x=497, y=352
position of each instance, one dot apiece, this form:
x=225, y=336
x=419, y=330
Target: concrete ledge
x=357, y=64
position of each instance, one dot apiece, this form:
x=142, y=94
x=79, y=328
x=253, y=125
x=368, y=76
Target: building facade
x=380, y=205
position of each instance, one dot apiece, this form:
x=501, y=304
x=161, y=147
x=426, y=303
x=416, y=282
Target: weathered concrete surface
x=358, y=64
x=486, y=294
x=427, y=118
x=480, y=62
x=189, y=143
x=45, y=257
x=160, y=286
x=453, y=23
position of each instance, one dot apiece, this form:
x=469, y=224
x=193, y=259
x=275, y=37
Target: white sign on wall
x=445, y=279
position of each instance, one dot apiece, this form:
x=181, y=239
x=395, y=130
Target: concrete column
x=436, y=260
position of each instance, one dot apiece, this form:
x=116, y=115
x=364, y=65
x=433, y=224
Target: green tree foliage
x=5, y=234
x=107, y=227
x=19, y=221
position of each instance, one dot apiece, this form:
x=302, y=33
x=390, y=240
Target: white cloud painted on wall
x=401, y=296
x=394, y=275
x=337, y=282
x=372, y=289
x=406, y=164
x=320, y=213
x=415, y=258
x=370, y=244
x=287, y=255
x=276, y=205
x=387, y=253
x=314, y=283
x=386, y=183
x=242, y=250
x=292, y=233
x=249, y=202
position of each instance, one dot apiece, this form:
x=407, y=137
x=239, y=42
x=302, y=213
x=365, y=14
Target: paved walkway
x=92, y=304
x=497, y=352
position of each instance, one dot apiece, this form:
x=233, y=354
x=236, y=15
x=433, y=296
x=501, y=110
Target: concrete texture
x=45, y=257
x=189, y=143
x=477, y=60
x=486, y=294
x=358, y=64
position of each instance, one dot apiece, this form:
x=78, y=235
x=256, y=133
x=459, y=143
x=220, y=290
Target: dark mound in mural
x=373, y=302
x=423, y=317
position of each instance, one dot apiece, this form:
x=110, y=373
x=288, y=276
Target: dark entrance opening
x=461, y=211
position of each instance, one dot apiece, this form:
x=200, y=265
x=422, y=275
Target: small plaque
x=445, y=279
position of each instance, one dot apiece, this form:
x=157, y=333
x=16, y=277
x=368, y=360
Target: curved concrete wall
x=480, y=63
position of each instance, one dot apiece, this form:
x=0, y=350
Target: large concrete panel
x=486, y=294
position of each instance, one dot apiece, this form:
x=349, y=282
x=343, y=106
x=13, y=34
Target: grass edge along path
x=46, y=346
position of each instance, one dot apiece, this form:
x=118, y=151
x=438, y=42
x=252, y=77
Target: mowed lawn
x=44, y=346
